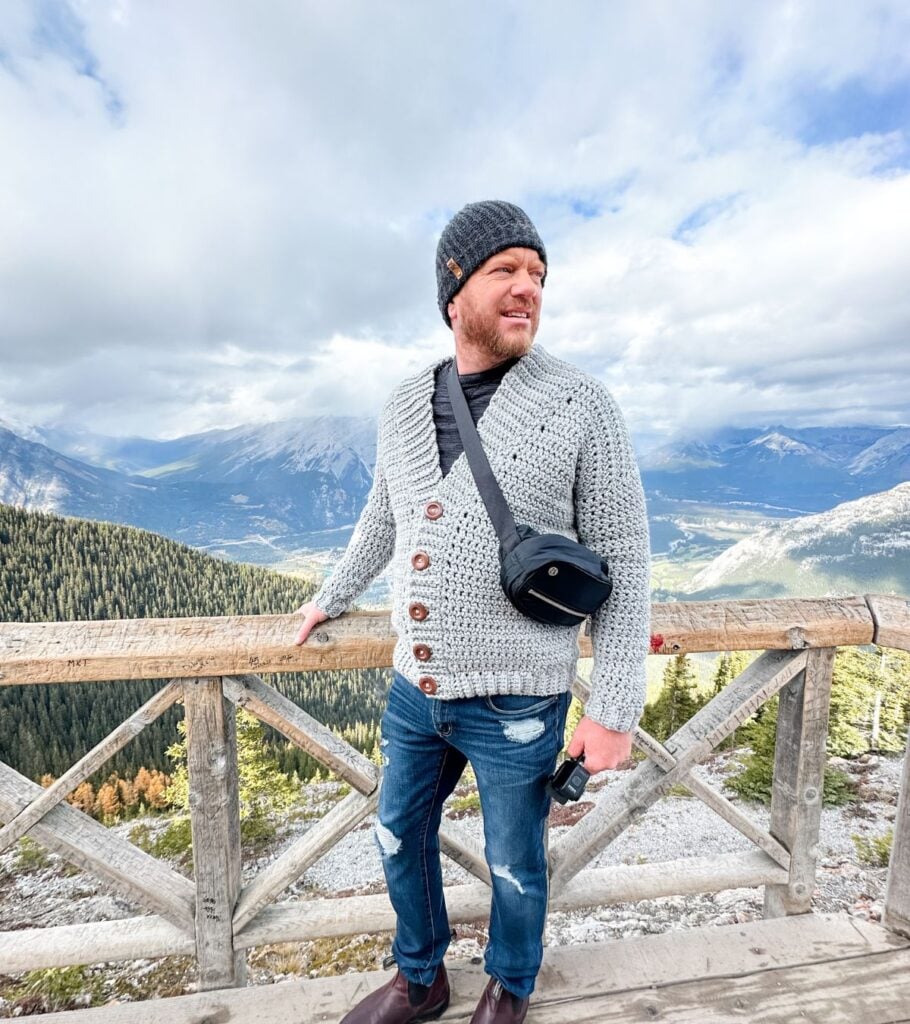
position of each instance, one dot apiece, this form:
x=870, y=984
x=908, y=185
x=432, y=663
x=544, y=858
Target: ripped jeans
x=512, y=742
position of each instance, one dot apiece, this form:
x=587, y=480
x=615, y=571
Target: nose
x=524, y=284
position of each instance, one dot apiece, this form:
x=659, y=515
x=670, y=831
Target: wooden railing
x=210, y=665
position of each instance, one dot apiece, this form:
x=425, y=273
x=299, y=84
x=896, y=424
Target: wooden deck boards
x=817, y=969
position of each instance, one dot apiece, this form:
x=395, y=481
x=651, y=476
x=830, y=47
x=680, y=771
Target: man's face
x=498, y=310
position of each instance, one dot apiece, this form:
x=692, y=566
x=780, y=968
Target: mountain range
x=799, y=470
x=262, y=490
x=727, y=506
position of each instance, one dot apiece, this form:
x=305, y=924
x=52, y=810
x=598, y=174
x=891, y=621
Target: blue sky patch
x=586, y=204
x=686, y=230
x=57, y=30
x=727, y=67
x=586, y=208
x=853, y=108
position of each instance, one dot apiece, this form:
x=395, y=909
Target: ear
x=452, y=310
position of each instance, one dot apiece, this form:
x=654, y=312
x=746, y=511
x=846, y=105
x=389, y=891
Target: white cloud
x=233, y=216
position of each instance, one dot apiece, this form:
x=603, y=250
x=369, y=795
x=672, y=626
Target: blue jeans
x=512, y=742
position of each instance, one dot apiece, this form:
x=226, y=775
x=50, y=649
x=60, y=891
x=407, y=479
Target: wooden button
x=418, y=611
x=420, y=560
x=427, y=684
x=433, y=510
x=422, y=652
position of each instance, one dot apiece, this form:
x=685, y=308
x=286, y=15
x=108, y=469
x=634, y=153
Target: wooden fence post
x=211, y=741
x=799, y=777
x=896, y=917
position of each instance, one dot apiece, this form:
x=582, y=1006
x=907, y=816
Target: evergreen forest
x=54, y=568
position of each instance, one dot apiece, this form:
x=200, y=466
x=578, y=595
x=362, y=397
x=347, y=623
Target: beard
x=483, y=332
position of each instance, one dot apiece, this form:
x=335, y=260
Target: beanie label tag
x=456, y=270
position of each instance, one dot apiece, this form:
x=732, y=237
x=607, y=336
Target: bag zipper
x=556, y=604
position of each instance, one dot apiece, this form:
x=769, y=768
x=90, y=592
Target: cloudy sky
x=224, y=212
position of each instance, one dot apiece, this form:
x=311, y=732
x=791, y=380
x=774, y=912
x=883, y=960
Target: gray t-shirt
x=478, y=389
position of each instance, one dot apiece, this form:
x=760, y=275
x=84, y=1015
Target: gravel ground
x=675, y=827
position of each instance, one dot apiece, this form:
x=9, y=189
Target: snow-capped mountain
x=861, y=545
x=298, y=444
x=253, y=493
x=261, y=492
x=36, y=477
x=803, y=470
x=270, y=455
x=775, y=446
x=683, y=457
x=889, y=455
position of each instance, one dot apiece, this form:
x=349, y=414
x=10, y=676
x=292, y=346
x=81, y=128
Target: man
x=475, y=680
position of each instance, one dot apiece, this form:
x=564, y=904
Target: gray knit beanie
x=477, y=232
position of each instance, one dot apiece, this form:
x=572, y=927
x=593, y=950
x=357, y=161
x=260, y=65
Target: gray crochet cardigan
x=559, y=447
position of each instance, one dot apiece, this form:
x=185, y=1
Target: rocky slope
x=861, y=545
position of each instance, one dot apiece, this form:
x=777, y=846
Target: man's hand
x=602, y=747
x=311, y=617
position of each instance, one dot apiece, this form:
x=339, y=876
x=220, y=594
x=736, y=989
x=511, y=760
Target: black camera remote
x=569, y=780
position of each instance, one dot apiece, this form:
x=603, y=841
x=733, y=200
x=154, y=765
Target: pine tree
x=141, y=784
x=376, y=754
x=83, y=798
x=852, y=700
x=856, y=676
x=265, y=792
x=107, y=802
x=861, y=680
x=677, y=701
x=893, y=685
x=729, y=665
x=156, y=795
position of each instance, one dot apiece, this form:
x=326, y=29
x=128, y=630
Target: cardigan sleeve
x=611, y=519
x=370, y=548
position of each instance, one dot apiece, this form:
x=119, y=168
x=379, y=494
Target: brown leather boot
x=498, y=1006
x=392, y=1002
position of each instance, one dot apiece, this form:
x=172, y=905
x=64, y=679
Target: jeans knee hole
x=389, y=843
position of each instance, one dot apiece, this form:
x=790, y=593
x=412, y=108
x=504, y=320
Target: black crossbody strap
x=487, y=484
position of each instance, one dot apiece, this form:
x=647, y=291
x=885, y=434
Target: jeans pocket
x=518, y=704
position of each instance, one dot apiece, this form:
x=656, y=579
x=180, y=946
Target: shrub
x=57, y=988
x=469, y=802
x=874, y=850
x=30, y=857
x=754, y=781
x=175, y=841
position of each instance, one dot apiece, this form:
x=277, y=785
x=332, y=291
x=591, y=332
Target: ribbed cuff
x=332, y=606
x=611, y=717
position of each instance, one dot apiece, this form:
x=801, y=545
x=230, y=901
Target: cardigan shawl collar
x=413, y=413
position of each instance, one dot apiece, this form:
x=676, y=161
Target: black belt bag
x=546, y=576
